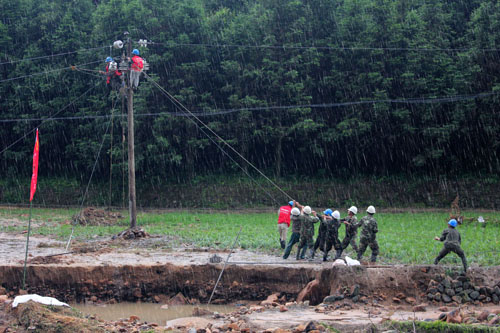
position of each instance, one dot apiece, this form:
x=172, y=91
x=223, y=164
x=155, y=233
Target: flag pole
x=27, y=242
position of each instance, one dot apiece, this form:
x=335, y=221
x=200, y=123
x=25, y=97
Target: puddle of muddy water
x=149, y=312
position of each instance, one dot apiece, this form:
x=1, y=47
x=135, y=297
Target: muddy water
x=149, y=312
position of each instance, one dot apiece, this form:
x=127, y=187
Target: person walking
x=321, y=239
x=369, y=229
x=452, y=240
x=332, y=236
x=351, y=229
x=307, y=232
x=296, y=220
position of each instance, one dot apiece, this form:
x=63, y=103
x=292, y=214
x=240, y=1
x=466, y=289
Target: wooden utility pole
x=131, y=154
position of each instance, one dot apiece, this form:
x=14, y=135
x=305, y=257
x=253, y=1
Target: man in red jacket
x=137, y=64
x=284, y=220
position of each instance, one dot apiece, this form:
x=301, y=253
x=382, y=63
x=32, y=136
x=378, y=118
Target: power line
x=330, y=48
x=47, y=72
x=50, y=56
x=217, y=112
x=47, y=119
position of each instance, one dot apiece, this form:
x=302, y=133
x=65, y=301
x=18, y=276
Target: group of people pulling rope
x=303, y=219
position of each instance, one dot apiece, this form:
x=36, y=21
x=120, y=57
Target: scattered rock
x=396, y=300
x=410, y=300
x=446, y=298
x=283, y=308
x=200, y=312
x=420, y=307
x=178, y=299
x=493, y=321
x=311, y=292
x=474, y=295
x=483, y=315
x=454, y=317
x=443, y=309
x=273, y=298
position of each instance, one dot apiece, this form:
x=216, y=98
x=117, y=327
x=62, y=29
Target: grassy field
x=403, y=237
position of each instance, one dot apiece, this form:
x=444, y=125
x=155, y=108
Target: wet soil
x=149, y=270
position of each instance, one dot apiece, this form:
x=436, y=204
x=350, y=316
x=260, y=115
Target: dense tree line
x=211, y=56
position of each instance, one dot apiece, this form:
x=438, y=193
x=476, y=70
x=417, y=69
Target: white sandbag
x=339, y=262
x=351, y=262
x=38, y=299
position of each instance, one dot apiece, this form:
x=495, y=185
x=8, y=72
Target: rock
x=3, y=298
x=495, y=320
x=430, y=296
x=410, y=300
x=458, y=290
x=157, y=298
x=440, y=288
x=442, y=317
x=178, y=299
x=333, y=298
x=474, y=295
x=311, y=326
x=446, y=298
x=446, y=282
x=283, y=308
x=457, y=299
x=454, y=317
x=133, y=319
x=233, y=327
x=396, y=300
x=300, y=328
x=438, y=297
x=93, y=299
x=164, y=307
x=354, y=291
x=456, y=284
x=420, y=308
x=470, y=320
x=497, y=291
x=495, y=298
x=200, y=312
x=483, y=315
x=191, y=322
x=280, y=330
x=273, y=298
x=443, y=309
x=450, y=292
x=311, y=292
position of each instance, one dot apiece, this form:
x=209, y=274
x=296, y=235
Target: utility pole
x=131, y=152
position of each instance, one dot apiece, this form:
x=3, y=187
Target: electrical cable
x=50, y=56
x=47, y=72
x=221, y=149
x=331, y=48
x=217, y=112
x=47, y=119
x=172, y=98
x=91, y=174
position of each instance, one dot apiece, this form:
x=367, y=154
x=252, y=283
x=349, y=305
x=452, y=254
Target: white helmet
x=370, y=210
x=353, y=209
x=336, y=215
x=307, y=210
x=295, y=211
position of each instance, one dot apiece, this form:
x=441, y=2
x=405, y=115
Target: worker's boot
x=303, y=252
x=325, y=256
x=338, y=254
x=372, y=259
x=282, y=244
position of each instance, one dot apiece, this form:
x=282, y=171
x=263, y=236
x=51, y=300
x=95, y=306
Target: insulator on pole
x=118, y=44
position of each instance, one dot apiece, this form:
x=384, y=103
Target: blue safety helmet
x=135, y=51
x=109, y=59
x=290, y=203
x=328, y=212
x=452, y=223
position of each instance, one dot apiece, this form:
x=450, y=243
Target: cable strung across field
x=181, y=106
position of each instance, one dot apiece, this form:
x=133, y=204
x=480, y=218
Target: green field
x=403, y=237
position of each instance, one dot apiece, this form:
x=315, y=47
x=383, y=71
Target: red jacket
x=137, y=63
x=284, y=216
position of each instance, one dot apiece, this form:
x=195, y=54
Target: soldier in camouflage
x=452, y=240
x=351, y=230
x=368, y=234
x=332, y=236
x=307, y=232
x=296, y=220
x=322, y=230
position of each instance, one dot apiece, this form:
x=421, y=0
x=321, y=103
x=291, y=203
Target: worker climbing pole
x=132, y=65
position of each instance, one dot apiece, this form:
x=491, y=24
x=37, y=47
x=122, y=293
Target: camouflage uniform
x=321, y=239
x=332, y=238
x=351, y=231
x=295, y=237
x=306, y=234
x=369, y=231
x=452, y=240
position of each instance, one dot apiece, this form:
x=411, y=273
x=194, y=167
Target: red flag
x=34, y=175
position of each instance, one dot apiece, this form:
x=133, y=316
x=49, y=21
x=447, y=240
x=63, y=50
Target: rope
x=91, y=174
x=172, y=98
x=222, y=150
x=47, y=119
